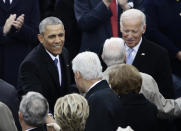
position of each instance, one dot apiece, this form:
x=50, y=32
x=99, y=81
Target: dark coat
x=9, y=96
x=64, y=10
x=104, y=108
x=154, y=60
x=38, y=73
x=93, y=18
x=138, y=113
x=15, y=46
x=164, y=28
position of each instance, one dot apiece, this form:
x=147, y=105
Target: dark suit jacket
x=104, y=108
x=15, y=46
x=93, y=18
x=38, y=73
x=164, y=28
x=46, y=8
x=64, y=9
x=154, y=60
x=8, y=95
x=138, y=113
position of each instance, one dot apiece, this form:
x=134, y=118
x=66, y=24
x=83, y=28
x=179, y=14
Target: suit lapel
x=2, y=5
x=14, y=3
x=51, y=67
x=141, y=55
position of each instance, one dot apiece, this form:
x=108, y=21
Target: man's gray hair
x=88, y=64
x=134, y=13
x=49, y=21
x=34, y=108
x=114, y=51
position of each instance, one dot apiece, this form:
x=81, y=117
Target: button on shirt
x=58, y=65
x=135, y=49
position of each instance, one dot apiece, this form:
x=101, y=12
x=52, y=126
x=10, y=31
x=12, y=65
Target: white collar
x=52, y=56
x=94, y=84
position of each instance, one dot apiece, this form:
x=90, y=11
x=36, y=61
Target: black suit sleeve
x=29, y=79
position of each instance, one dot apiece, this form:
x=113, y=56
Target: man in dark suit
x=99, y=20
x=164, y=28
x=8, y=95
x=46, y=68
x=104, y=104
x=18, y=29
x=145, y=55
x=33, y=112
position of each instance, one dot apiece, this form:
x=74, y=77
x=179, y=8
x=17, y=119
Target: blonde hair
x=125, y=79
x=71, y=112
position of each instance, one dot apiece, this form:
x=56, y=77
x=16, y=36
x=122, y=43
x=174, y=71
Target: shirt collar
x=94, y=84
x=52, y=56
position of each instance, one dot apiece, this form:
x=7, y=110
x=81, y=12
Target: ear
x=144, y=29
x=40, y=38
x=102, y=57
x=20, y=116
x=77, y=75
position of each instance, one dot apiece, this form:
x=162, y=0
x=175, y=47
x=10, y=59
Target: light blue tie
x=129, y=59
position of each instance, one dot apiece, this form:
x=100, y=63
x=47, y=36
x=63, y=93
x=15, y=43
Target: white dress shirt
x=135, y=50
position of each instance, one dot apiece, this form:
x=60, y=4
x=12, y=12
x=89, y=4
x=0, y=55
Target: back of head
x=113, y=51
x=125, y=79
x=88, y=64
x=34, y=108
x=49, y=21
x=71, y=112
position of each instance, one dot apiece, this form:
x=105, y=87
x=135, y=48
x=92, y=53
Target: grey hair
x=134, y=13
x=113, y=51
x=71, y=112
x=88, y=64
x=49, y=21
x=34, y=108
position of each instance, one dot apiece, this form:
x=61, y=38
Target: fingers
x=19, y=22
x=8, y=24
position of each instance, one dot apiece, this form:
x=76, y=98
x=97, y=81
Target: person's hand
x=19, y=22
x=8, y=24
x=178, y=55
x=107, y=2
x=124, y=4
x=53, y=127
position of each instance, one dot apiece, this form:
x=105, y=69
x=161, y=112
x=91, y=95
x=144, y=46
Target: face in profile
x=53, y=38
x=132, y=31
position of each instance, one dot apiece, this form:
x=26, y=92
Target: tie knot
x=56, y=61
x=130, y=50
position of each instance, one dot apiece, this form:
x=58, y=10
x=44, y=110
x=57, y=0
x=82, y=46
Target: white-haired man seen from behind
x=114, y=53
x=33, y=111
x=103, y=102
